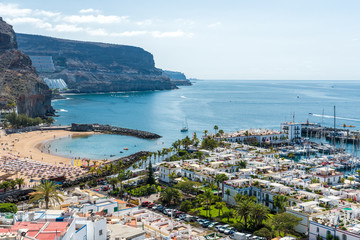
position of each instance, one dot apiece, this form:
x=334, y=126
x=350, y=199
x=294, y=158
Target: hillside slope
x=97, y=67
x=19, y=83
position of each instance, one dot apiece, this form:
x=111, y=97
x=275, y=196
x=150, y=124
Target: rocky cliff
x=178, y=78
x=19, y=82
x=97, y=67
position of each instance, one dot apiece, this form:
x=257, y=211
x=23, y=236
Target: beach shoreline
x=32, y=145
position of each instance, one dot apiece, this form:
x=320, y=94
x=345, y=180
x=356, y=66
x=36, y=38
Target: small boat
x=126, y=148
x=121, y=151
x=185, y=128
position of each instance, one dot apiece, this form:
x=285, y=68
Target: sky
x=208, y=39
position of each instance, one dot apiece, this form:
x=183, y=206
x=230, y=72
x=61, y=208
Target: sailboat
x=185, y=128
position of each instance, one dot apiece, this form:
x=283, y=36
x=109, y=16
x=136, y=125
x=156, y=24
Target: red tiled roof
x=47, y=236
x=49, y=233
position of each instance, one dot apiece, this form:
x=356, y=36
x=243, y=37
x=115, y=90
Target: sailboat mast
x=334, y=126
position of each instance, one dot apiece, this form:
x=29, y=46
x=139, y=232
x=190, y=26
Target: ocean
x=232, y=105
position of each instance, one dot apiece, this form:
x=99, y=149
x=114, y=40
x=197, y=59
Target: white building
x=328, y=175
x=292, y=130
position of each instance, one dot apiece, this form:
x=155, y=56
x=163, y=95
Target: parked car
x=166, y=211
x=172, y=212
x=206, y=223
x=104, y=188
x=155, y=207
x=213, y=224
x=222, y=229
x=190, y=218
x=150, y=205
x=144, y=204
x=178, y=213
x=217, y=227
x=160, y=208
x=200, y=220
x=228, y=230
x=182, y=216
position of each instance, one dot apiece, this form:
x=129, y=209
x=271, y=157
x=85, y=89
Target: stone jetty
x=113, y=130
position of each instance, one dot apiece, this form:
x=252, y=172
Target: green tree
x=219, y=206
x=285, y=222
x=185, y=206
x=242, y=164
x=46, y=192
x=170, y=195
x=228, y=214
x=216, y=128
x=280, y=202
x=172, y=175
x=263, y=232
x=227, y=192
x=113, y=181
x=20, y=182
x=259, y=213
x=188, y=186
x=5, y=185
x=209, y=143
x=220, y=178
x=244, y=207
x=8, y=208
x=206, y=198
x=186, y=142
x=150, y=178
x=12, y=184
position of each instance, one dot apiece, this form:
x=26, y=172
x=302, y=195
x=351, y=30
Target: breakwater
x=113, y=130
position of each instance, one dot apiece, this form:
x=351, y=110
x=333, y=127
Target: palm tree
x=259, y=213
x=280, y=202
x=228, y=214
x=207, y=198
x=113, y=181
x=216, y=128
x=244, y=207
x=351, y=179
x=20, y=182
x=227, y=192
x=12, y=183
x=121, y=176
x=206, y=132
x=170, y=195
x=220, y=206
x=47, y=192
x=220, y=178
x=221, y=132
x=88, y=162
x=5, y=185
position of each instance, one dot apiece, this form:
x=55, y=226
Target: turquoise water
x=232, y=105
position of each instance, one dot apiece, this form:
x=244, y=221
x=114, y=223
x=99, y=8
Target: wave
x=342, y=118
x=183, y=97
x=63, y=110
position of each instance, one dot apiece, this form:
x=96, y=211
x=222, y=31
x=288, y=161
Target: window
x=100, y=232
x=344, y=237
x=317, y=229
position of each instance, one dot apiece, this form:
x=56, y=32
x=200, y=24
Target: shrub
x=8, y=207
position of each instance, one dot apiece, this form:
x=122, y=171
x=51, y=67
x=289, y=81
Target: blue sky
x=206, y=39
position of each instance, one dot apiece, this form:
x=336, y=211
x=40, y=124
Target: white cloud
x=213, y=25
x=89, y=10
x=146, y=22
x=129, y=34
x=46, y=13
x=97, y=32
x=101, y=19
x=13, y=10
x=37, y=22
x=178, y=33
x=66, y=28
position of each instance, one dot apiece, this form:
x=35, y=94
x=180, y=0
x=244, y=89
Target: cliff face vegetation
x=97, y=67
x=19, y=83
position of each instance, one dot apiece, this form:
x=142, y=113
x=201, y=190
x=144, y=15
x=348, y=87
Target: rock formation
x=178, y=78
x=97, y=67
x=19, y=82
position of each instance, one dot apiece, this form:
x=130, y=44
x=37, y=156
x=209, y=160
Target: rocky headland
x=178, y=78
x=20, y=85
x=89, y=67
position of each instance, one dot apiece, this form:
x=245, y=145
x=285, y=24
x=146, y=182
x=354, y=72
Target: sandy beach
x=28, y=144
